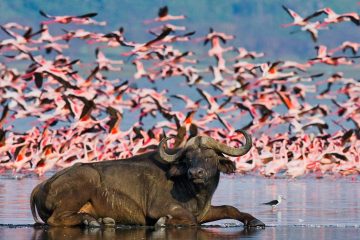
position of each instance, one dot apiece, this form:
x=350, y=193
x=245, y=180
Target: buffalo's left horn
x=164, y=155
x=230, y=151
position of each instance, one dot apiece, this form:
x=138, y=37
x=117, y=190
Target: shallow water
x=280, y=232
x=326, y=208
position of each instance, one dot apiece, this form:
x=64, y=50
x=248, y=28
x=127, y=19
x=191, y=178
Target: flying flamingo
x=19, y=42
x=163, y=16
x=189, y=103
x=313, y=29
x=144, y=47
x=178, y=38
x=297, y=19
x=243, y=53
x=141, y=72
x=353, y=46
x=270, y=71
x=80, y=19
x=168, y=25
x=323, y=56
x=47, y=161
x=333, y=17
x=105, y=63
x=213, y=106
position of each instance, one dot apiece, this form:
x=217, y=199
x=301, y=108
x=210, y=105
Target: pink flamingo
x=105, y=63
x=189, y=103
x=333, y=17
x=297, y=19
x=313, y=29
x=243, y=53
x=353, y=46
x=163, y=16
x=80, y=19
x=144, y=47
x=168, y=25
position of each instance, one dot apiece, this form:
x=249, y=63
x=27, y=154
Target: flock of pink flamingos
x=302, y=121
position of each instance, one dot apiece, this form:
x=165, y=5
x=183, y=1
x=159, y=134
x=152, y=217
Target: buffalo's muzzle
x=196, y=173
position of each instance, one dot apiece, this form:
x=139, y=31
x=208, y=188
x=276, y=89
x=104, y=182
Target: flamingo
x=243, y=53
x=144, y=47
x=292, y=64
x=297, y=19
x=57, y=47
x=4, y=115
x=270, y=71
x=141, y=72
x=19, y=42
x=249, y=165
x=167, y=25
x=45, y=36
x=80, y=34
x=189, y=103
x=333, y=17
x=213, y=106
x=113, y=125
x=112, y=39
x=15, y=25
x=105, y=63
x=47, y=160
x=178, y=38
x=80, y=19
x=313, y=29
x=296, y=168
x=353, y=46
x=163, y=16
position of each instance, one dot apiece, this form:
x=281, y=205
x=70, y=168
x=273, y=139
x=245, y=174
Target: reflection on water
x=280, y=232
x=130, y=233
x=324, y=207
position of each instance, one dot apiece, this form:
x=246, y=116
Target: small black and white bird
x=274, y=203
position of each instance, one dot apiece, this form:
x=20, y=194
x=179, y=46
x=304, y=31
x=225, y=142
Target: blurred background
x=256, y=24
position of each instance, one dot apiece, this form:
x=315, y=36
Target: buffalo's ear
x=176, y=169
x=226, y=166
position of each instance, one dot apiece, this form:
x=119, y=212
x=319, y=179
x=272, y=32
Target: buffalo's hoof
x=162, y=221
x=108, y=221
x=255, y=223
x=94, y=224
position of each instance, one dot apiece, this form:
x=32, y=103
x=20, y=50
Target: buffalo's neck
x=195, y=197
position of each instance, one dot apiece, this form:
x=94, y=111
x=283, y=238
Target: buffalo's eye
x=188, y=161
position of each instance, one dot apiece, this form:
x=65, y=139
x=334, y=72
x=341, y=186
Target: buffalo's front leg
x=177, y=216
x=230, y=212
x=72, y=218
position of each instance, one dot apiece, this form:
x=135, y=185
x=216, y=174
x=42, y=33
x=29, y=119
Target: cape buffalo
x=164, y=187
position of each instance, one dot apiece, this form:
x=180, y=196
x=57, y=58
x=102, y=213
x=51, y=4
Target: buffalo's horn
x=164, y=155
x=230, y=151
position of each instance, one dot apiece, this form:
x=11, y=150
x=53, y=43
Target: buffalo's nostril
x=197, y=173
x=200, y=172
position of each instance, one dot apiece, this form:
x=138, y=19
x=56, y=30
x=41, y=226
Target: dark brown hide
x=143, y=190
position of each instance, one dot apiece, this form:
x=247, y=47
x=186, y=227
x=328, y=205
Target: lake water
x=327, y=208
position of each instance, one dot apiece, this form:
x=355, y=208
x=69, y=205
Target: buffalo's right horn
x=230, y=151
x=166, y=156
